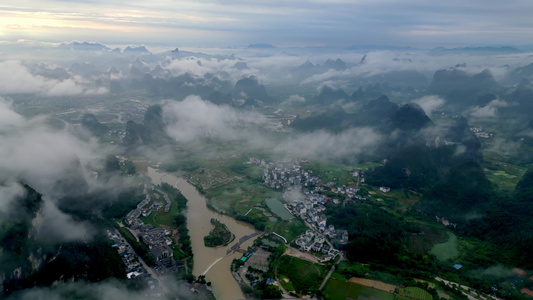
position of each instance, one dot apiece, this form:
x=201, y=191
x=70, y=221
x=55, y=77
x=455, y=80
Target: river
x=213, y=262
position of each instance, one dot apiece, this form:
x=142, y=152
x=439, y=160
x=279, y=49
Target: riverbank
x=215, y=263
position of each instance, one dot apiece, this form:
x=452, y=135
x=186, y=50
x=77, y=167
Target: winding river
x=213, y=262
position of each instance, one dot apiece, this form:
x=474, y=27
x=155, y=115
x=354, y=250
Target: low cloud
x=194, y=118
x=348, y=144
x=15, y=78
x=8, y=193
x=47, y=160
x=53, y=224
x=488, y=111
x=109, y=290
x=295, y=99
x=430, y=103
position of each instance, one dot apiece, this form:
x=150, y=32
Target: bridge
x=284, y=239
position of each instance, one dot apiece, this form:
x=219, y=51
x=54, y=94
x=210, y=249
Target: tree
x=271, y=292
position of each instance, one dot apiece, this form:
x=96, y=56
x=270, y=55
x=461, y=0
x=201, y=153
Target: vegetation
x=305, y=276
x=340, y=290
x=218, y=236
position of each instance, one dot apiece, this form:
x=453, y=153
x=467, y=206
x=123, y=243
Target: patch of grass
x=290, y=229
x=286, y=285
x=158, y=218
x=428, y=236
x=414, y=293
x=502, y=174
x=341, y=290
x=305, y=276
x=447, y=250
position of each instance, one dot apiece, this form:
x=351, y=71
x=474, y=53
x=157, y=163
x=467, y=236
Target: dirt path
x=303, y=255
x=374, y=284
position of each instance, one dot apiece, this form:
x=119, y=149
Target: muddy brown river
x=213, y=262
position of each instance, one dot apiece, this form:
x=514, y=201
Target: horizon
x=296, y=24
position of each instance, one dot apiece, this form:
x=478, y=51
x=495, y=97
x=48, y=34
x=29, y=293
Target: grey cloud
x=53, y=224
x=488, y=111
x=193, y=118
x=8, y=193
x=34, y=154
x=348, y=144
x=429, y=103
x=16, y=78
x=108, y=290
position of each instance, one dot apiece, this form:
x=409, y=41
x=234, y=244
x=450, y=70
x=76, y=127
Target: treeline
x=374, y=234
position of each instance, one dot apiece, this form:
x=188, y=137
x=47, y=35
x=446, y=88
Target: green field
x=305, y=276
x=414, y=293
x=447, y=250
x=432, y=234
x=158, y=218
x=290, y=229
x=341, y=290
x=502, y=174
x=286, y=285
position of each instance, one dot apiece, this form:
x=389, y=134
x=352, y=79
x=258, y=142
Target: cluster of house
x=134, y=268
x=312, y=207
x=156, y=239
x=445, y=222
x=316, y=242
x=131, y=260
x=132, y=218
x=282, y=174
x=478, y=131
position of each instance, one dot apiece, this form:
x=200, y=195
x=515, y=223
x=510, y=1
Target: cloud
x=348, y=144
x=293, y=99
x=8, y=193
x=488, y=111
x=212, y=23
x=15, y=78
x=53, y=224
x=108, y=290
x=47, y=160
x=429, y=103
x=8, y=117
x=194, y=118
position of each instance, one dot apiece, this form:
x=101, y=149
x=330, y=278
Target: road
x=145, y=266
x=327, y=278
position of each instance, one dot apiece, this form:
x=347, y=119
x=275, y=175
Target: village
x=156, y=239
x=321, y=238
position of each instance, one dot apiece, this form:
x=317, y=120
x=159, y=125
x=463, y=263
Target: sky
x=283, y=23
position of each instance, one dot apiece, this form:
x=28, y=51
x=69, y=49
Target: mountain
x=520, y=73
x=261, y=46
x=461, y=88
x=475, y=50
x=377, y=111
x=464, y=188
x=409, y=117
x=90, y=123
x=331, y=118
x=405, y=78
x=328, y=95
x=412, y=167
x=241, y=65
x=337, y=64
x=135, y=134
x=154, y=126
x=84, y=46
x=136, y=50
x=249, y=89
